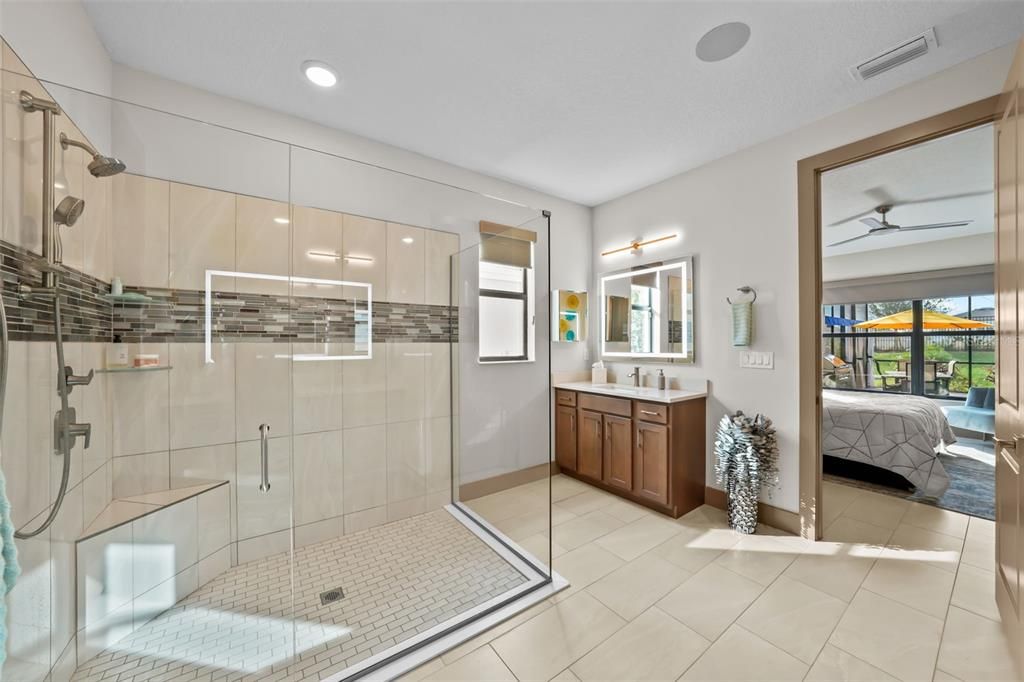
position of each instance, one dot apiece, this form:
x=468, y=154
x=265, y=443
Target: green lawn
x=890, y=362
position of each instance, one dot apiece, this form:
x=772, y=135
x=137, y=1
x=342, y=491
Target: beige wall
x=738, y=217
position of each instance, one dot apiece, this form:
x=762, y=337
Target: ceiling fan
x=878, y=227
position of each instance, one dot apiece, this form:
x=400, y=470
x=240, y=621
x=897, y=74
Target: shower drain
x=331, y=596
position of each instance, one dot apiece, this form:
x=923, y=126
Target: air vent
x=896, y=56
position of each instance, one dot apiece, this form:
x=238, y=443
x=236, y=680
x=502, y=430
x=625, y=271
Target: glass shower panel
x=375, y=418
x=503, y=405
x=175, y=282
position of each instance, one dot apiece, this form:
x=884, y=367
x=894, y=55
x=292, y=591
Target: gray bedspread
x=894, y=432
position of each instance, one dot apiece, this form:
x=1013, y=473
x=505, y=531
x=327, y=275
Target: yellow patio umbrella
x=930, y=319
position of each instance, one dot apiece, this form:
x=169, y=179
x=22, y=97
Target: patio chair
x=978, y=413
x=942, y=379
x=891, y=381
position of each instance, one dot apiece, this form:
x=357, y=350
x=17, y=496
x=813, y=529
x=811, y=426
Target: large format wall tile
x=440, y=247
x=259, y=512
x=215, y=462
x=318, y=388
x=317, y=231
x=262, y=236
x=365, y=238
x=366, y=468
x=96, y=226
x=365, y=388
x=202, y=395
x=139, y=403
x=139, y=474
x=406, y=461
x=405, y=266
x=202, y=236
x=438, y=366
x=319, y=476
x=27, y=429
x=406, y=381
x=140, y=238
x=23, y=133
x=263, y=383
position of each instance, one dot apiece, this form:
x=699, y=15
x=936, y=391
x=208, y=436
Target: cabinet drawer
x=650, y=412
x=567, y=398
x=601, y=403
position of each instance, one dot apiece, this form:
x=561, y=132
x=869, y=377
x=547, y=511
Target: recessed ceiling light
x=407, y=240
x=320, y=74
x=723, y=41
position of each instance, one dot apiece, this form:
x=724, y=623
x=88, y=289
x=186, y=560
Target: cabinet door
x=652, y=461
x=618, y=451
x=590, y=426
x=565, y=437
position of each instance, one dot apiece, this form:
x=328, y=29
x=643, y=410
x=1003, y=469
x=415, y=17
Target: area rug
x=970, y=464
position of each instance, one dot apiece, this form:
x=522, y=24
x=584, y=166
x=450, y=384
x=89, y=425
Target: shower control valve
x=72, y=379
x=65, y=428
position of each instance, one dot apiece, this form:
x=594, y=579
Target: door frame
x=809, y=172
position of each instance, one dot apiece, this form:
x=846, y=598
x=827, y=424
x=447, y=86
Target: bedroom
x=908, y=335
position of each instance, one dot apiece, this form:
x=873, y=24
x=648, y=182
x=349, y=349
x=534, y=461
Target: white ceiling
x=584, y=100
x=948, y=179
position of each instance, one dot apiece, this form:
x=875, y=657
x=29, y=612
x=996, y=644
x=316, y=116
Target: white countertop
x=669, y=395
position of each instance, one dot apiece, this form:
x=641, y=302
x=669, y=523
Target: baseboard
x=495, y=484
x=767, y=514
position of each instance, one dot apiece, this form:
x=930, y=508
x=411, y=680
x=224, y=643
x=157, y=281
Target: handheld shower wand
x=66, y=429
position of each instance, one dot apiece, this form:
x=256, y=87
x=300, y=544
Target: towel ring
x=744, y=290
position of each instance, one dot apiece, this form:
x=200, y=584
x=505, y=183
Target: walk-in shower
x=296, y=462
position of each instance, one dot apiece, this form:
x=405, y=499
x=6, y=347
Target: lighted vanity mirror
x=570, y=316
x=647, y=312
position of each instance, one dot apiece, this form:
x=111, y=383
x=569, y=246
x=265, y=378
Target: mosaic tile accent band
x=87, y=315
x=178, y=315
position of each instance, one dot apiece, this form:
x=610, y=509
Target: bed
x=898, y=433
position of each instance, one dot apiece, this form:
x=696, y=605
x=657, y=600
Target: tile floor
x=897, y=590
x=399, y=579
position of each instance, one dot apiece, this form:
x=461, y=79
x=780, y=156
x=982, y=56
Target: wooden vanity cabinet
x=651, y=453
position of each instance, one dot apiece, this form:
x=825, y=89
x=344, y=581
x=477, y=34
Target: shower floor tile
x=399, y=580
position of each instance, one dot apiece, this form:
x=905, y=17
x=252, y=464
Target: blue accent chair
x=978, y=413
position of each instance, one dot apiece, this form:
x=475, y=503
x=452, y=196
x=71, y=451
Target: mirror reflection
x=648, y=311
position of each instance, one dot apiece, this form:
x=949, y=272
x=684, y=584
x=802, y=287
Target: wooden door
x=652, y=477
x=565, y=437
x=618, y=451
x=590, y=442
x=1009, y=145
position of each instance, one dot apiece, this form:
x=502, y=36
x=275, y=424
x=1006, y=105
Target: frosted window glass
x=501, y=328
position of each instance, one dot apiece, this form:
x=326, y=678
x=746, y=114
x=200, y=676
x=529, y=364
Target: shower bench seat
x=143, y=554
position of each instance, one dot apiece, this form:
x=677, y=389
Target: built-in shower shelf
x=117, y=370
x=139, y=299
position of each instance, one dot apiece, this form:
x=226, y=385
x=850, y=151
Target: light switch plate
x=757, y=359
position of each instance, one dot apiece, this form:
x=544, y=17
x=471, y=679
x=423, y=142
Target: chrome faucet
x=636, y=376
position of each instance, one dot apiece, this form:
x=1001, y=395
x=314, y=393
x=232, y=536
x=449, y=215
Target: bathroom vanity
x=644, y=444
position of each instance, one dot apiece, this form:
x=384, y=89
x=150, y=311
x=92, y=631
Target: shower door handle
x=264, y=456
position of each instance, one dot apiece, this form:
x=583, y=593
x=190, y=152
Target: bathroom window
x=506, y=316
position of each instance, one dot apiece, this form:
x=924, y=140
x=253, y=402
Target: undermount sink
x=619, y=389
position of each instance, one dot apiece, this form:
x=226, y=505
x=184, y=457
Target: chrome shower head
x=100, y=166
x=68, y=211
x=105, y=166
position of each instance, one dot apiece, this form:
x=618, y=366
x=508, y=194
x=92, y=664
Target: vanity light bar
x=637, y=245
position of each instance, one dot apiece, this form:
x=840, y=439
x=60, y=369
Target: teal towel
x=9, y=556
x=742, y=323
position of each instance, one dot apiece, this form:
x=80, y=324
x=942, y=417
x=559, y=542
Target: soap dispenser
x=661, y=380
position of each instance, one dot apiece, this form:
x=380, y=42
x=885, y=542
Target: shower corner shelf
x=119, y=370
x=128, y=298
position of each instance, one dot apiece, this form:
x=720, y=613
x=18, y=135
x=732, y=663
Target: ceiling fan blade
x=873, y=223
x=852, y=239
x=934, y=226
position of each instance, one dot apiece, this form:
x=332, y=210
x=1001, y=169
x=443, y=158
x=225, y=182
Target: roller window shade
x=506, y=245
